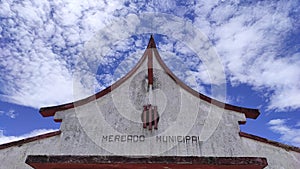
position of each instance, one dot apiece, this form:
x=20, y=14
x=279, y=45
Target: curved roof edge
x=271, y=142
x=29, y=139
x=50, y=111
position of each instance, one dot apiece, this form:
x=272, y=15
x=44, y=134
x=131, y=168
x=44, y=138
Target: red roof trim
x=274, y=143
x=50, y=111
x=150, y=69
x=30, y=139
x=249, y=113
x=175, y=162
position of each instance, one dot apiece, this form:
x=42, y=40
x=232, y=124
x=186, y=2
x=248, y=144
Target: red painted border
x=150, y=69
x=146, y=162
x=274, y=143
x=50, y=111
x=249, y=113
x=30, y=139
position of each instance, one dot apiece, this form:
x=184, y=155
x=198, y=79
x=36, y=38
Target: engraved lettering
x=117, y=138
x=171, y=139
x=123, y=138
x=129, y=138
x=179, y=138
x=187, y=138
x=104, y=138
x=158, y=138
x=110, y=138
x=194, y=139
x=164, y=138
x=135, y=138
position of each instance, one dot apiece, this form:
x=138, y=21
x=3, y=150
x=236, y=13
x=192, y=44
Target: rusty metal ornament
x=150, y=117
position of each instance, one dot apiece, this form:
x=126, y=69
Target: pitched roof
x=271, y=142
x=29, y=139
x=249, y=113
x=151, y=47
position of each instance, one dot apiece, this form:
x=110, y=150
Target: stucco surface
x=111, y=125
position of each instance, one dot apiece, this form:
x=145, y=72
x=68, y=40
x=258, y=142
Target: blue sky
x=257, y=42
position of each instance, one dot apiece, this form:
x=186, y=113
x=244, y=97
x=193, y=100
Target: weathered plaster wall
x=92, y=129
x=277, y=157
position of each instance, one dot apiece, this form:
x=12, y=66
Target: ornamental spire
x=150, y=115
x=151, y=43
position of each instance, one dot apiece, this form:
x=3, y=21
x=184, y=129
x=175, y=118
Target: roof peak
x=150, y=55
x=151, y=43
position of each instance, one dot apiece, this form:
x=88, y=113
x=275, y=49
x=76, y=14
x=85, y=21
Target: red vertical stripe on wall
x=150, y=117
x=150, y=68
x=155, y=117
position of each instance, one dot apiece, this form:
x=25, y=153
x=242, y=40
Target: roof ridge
x=50, y=111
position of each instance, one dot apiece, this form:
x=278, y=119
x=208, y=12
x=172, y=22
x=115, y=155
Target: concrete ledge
x=158, y=162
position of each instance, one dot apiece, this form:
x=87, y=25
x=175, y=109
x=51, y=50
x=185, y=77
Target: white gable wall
x=111, y=125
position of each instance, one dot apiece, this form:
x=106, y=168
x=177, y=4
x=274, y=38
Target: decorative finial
x=151, y=43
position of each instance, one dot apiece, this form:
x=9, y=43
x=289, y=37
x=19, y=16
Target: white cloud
x=251, y=41
x=40, y=42
x=42, y=39
x=10, y=113
x=7, y=139
x=289, y=134
x=277, y=122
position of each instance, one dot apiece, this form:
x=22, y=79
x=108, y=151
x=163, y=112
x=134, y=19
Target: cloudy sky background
x=258, y=45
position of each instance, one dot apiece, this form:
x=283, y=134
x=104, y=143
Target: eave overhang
x=151, y=47
x=147, y=162
x=29, y=139
x=271, y=142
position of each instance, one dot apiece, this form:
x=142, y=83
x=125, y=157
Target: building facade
x=148, y=119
